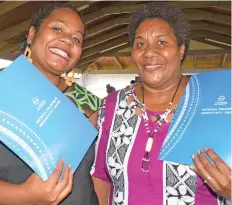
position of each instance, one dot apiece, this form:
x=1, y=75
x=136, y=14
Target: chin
x=153, y=80
x=59, y=69
x=152, y=83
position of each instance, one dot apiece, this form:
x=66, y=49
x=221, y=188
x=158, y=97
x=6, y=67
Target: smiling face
x=57, y=45
x=156, y=53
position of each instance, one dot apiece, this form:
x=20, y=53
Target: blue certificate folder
x=38, y=122
x=202, y=119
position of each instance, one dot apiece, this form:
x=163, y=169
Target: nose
x=66, y=39
x=151, y=51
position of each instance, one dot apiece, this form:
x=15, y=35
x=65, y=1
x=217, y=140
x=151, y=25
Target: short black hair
x=161, y=10
x=43, y=13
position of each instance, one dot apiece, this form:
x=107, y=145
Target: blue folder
x=38, y=122
x=202, y=119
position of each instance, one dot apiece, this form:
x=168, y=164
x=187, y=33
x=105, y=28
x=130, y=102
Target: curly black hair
x=43, y=13
x=161, y=10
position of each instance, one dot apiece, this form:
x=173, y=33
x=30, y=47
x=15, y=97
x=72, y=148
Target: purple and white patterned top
x=119, y=152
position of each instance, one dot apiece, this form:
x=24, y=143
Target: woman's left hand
x=217, y=176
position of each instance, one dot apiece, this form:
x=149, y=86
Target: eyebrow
x=139, y=37
x=63, y=22
x=160, y=35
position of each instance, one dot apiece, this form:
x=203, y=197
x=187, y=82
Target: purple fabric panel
x=146, y=188
x=100, y=157
x=204, y=195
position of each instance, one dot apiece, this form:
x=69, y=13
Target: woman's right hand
x=51, y=191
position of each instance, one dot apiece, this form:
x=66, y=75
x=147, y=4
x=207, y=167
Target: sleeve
x=86, y=101
x=99, y=169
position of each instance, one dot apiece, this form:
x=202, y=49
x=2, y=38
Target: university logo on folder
x=202, y=119
x=38, y=122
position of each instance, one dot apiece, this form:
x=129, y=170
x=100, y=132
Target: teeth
x=59, y=52
x=152, y=66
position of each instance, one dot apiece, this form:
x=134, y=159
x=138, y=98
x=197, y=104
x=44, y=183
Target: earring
x=181, y=58
x=27, y=52
x=70, y=79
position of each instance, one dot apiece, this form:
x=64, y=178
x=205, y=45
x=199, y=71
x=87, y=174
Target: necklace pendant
x=149, y=144
x=145, y=163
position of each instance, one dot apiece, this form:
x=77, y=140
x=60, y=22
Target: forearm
x=12, y=194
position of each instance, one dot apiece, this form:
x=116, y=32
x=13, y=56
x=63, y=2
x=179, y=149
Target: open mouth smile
x=60, y=52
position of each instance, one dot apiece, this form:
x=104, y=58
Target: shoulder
x=110, y=102
x=114, y=96
x=108, y=105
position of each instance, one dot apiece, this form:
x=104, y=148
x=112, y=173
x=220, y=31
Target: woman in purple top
x=133, y=124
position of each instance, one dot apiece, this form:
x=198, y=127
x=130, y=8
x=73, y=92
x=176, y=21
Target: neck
x=157, y=99
x=161, y=94
x=57, y=81
x=54, y=79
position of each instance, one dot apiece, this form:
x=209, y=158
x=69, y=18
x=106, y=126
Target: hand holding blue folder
x=38, y=122
x=202, y=119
